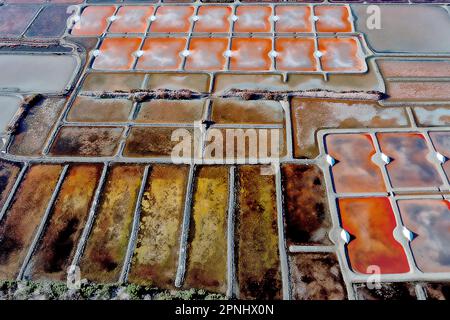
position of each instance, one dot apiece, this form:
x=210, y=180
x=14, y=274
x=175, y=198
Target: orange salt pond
x=371, y=222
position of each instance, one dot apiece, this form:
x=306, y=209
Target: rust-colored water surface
x=155, y=257
x=316, y=276
x=371, y=222
x=207, y=256
x=107, y=244
x=306, y=208
x=429, y=220
x=409, y=166
x=68, y=217
x=258, y=262
x=18, y=227
x=8, y=175
x=354, y=170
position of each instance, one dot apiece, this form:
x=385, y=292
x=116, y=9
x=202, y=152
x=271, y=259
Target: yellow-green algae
x=207, y=258
x=107, y=245
x=258, y=267
x=155, y=257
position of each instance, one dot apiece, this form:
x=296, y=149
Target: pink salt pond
x=409, y=166
x=354, y=170
x=441, y=142
x=429, y=220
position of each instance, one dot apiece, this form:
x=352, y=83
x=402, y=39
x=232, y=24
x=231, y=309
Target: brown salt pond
x=207, y=256
x=86, y=141
x=18, y=227
x=111, y=81
x=235, y=144
x=154, y=141
x=388, y=291
x=231, y=111
x=307, y=216
x=316, y=276
x=107, y=244
x=86, y=109
x=57, y=247
x=258, y=262
x=8, y=175
x=311, y=115
x=354, y=170
x=155, y=257
x=171, y=111
x=196, y=82
x=32, y=131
